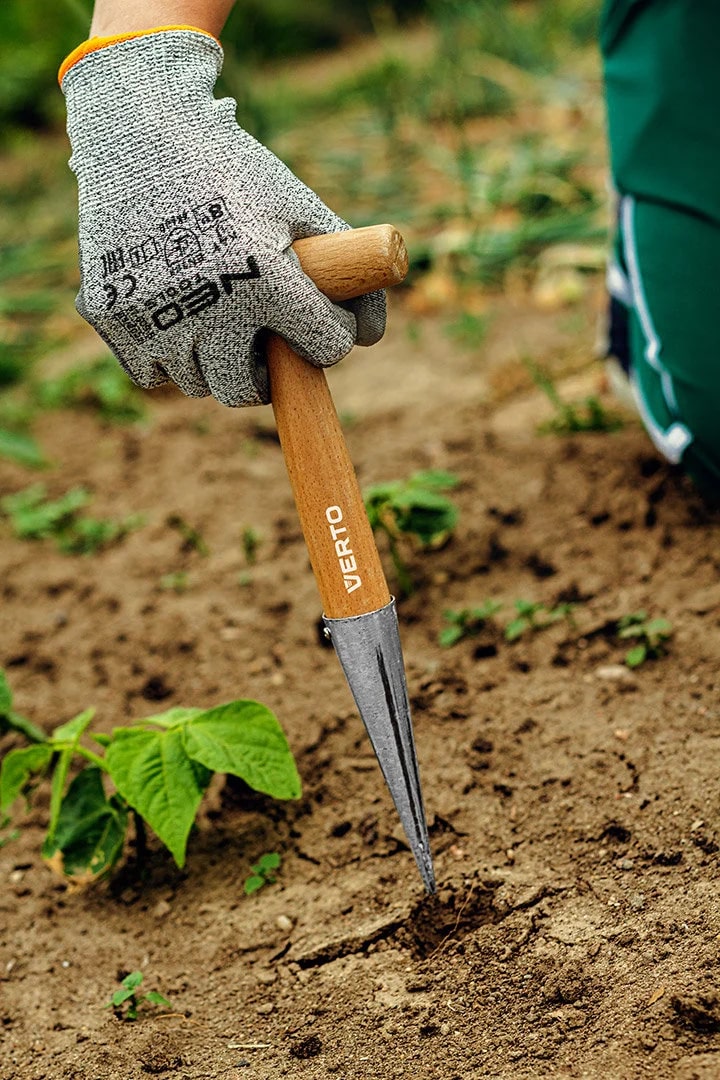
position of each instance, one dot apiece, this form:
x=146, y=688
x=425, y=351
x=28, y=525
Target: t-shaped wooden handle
x=339, y=539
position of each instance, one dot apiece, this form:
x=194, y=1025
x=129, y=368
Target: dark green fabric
x=678, y=257
x=662, y=80
x=662, y=75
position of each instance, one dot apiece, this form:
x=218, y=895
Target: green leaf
x=244, y=738
x=527, y=607
x=71, y=731
x=5, y=694
x=515, y=628
x=118, y=998
x=435, y=478
x=66, y=736
x=450, y=635
x=17, y=768
x=487, y=609
x=88, y=535
x=133, y=980
x=34, y=518
x=156, y=998
x=253, y=883
x=658, y=630
x=90, y=830
x=22, y=448
x=154, y=774
x=56, y=790
x=102, y=385
x=636, y=656
x=270, y=861
x=173, y=717
x=414, y=507
x=633, y=619
x=12, y=721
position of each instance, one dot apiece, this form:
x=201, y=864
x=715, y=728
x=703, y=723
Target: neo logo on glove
x=203, y=296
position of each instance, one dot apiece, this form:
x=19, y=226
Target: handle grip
x=339, y=539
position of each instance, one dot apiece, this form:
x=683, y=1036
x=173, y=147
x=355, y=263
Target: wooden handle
x=355, y=262
x=339, y=539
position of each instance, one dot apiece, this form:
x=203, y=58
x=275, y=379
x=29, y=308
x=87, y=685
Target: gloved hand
x=186, y=223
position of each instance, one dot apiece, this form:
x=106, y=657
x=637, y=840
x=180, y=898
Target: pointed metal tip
x=427, y=871
x=368, y=647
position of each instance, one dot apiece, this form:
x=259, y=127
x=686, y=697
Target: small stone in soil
x=161, y=910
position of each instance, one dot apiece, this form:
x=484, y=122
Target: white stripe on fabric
x=617, y=284
x=672, y=441
x=668, y=389
x=652, y=341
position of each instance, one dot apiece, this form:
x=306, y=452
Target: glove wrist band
x=94, y=44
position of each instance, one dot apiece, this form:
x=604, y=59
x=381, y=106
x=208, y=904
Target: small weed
x=651, y=636
x=589, y=415
x=468, y=330
x=192, y=538
x=466, y=622
x=348, y=419
x=7, y=838
x=20, y=447
x=413, y=510
x=126, y=1002
x=535, y=616
x=34, y=517
x=102, y=386
x=176, y=581
x=250, y=543
x=262, y=872
x=12, y=721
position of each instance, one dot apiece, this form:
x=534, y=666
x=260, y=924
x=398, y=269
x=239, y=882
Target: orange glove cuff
x=93, y=44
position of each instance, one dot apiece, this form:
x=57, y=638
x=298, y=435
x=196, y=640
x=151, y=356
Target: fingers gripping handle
x=340, y=541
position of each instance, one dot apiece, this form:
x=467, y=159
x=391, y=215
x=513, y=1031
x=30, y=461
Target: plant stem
x=90, y=756
x=404, y=580
x=140, y=840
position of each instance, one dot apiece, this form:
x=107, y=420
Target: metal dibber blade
x=368, y=647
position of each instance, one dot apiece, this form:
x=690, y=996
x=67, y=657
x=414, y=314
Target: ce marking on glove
x=112, y=291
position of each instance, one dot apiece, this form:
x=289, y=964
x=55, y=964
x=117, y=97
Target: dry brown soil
x=573, y=804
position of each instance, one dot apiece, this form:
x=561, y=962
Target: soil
x=573, y=803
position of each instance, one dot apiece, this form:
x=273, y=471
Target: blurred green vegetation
x=474, y=125
x=35, y=36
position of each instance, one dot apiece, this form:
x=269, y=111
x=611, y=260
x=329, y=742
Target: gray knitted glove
x=186, y=223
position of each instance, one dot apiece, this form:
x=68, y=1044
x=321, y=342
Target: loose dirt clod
x=700, y=1011
x=307, y=1048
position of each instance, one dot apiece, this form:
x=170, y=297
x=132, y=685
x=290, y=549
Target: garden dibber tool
x=358, y=612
